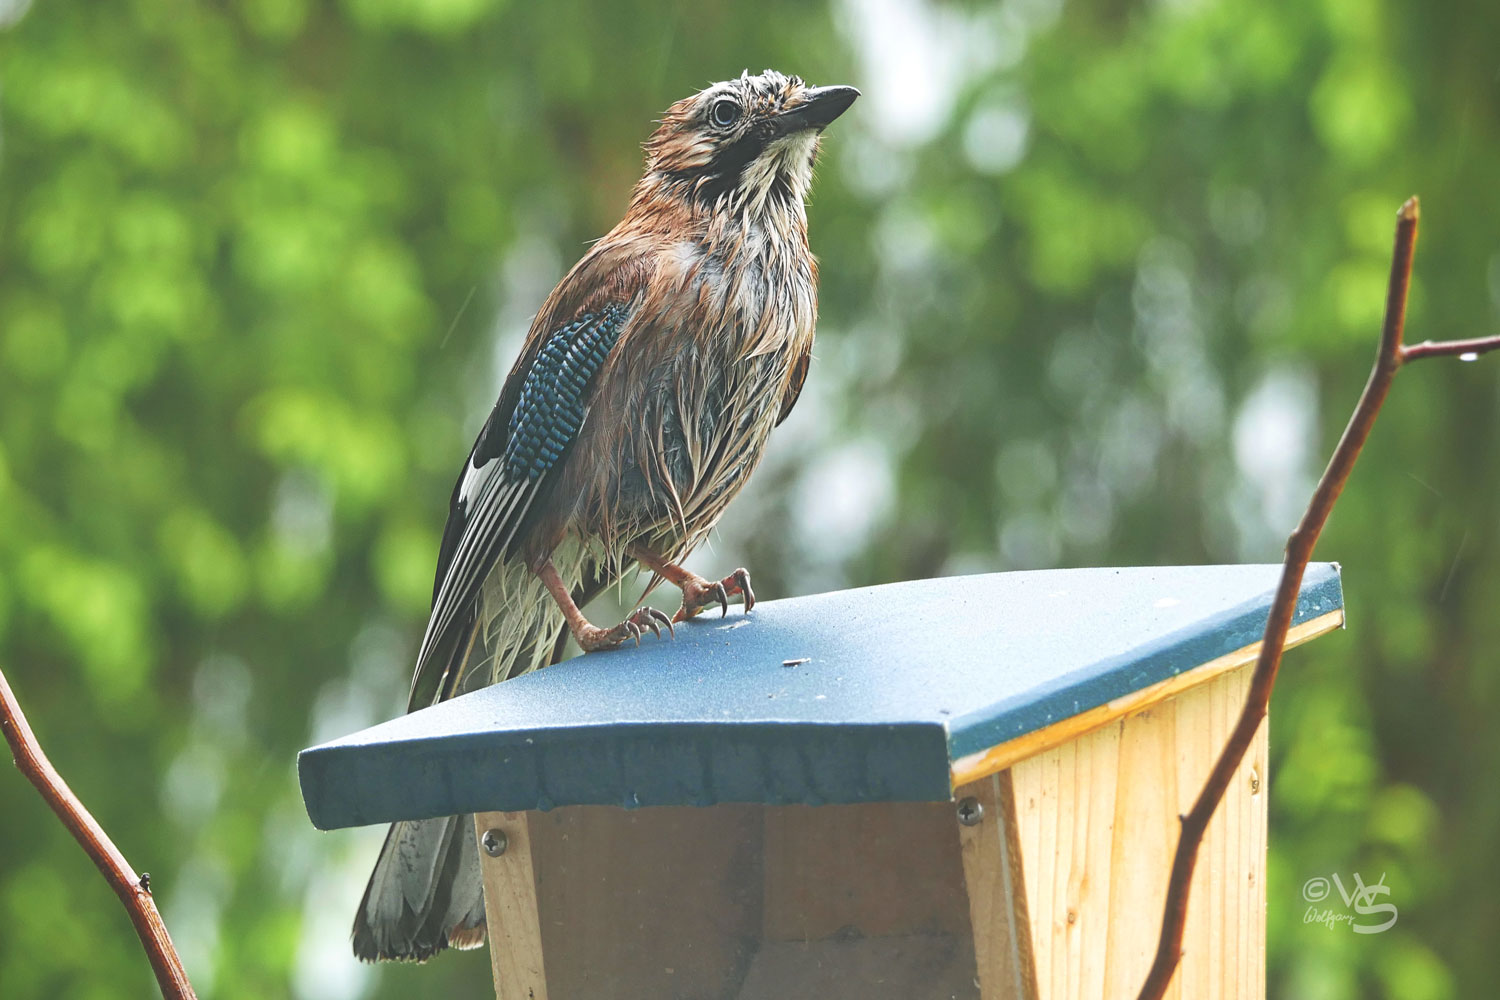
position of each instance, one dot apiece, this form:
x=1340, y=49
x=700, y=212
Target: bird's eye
x=724, y=113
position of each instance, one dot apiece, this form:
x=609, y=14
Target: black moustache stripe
x=722, y=174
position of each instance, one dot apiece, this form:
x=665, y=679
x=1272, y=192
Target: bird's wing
x=528, y=434
x=794, y=387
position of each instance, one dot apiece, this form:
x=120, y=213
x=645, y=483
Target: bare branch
x=134, y=891
x=1468, y=350
x=1299, y=551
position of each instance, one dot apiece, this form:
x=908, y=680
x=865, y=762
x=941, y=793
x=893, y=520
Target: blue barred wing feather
x=527, y=437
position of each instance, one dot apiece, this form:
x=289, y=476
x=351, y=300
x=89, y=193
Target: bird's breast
x=750, y=291
x=699, y=383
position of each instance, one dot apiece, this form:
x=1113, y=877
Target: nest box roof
x=876, y=694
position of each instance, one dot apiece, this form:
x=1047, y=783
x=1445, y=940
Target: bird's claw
x=718, y=593
x=648, y=617
x=739, y=582
x=696, y=597
x=633, y=627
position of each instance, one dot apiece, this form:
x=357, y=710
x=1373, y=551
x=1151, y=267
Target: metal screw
x=494, y=842
x=970, y=812
x=1254, y=782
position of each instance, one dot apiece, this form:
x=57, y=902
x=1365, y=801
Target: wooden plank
x=1097, y=821
x=996, y=759
x=661, y=902
x=909, y=967
x=730, y=901
x=510, y=909
x=1226, y=917
x=1066, y=801
x=996, y=892
x=1145, y=773
x=865, y=902
x=882, y=869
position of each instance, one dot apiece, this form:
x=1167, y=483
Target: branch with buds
x=1388, y=361
x=134, y=890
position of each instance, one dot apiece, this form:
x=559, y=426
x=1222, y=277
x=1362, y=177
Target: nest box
x=952, y=788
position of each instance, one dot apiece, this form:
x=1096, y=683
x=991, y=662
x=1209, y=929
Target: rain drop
x=1469, y=356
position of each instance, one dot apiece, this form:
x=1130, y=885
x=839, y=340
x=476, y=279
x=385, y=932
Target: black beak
x=819, y=107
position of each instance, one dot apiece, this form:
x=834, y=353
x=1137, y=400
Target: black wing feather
x=794, y=387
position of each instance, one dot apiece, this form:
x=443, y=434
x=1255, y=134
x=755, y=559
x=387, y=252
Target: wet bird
x=641, y=402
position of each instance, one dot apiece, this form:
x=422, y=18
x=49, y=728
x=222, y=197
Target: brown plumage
x=649, y=383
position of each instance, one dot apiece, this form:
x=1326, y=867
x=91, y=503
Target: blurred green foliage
x=1100, y=283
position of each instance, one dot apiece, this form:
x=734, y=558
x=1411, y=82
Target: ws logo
x=1358, y=897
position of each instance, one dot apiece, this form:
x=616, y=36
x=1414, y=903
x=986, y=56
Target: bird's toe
x=738, y=582
x=700, y=594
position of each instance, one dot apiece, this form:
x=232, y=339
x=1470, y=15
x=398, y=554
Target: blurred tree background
x=1101, y=280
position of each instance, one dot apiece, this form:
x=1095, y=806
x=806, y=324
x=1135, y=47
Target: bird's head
x=744, y=144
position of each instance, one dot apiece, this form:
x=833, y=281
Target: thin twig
x=132, y=889
x=1450, y=348
x=1299, y=549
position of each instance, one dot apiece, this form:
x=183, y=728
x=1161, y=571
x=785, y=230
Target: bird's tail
x=426, y=893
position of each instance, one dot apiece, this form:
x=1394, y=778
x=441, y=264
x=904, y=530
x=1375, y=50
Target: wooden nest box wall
x=956, y=788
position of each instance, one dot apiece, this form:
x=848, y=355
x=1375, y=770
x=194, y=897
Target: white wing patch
x=475, y=480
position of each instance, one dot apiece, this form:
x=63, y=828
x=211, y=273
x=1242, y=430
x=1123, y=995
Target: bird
x=642, y=400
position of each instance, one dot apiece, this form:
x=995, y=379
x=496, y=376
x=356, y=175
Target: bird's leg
x=697, y=593
x=590, y=637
